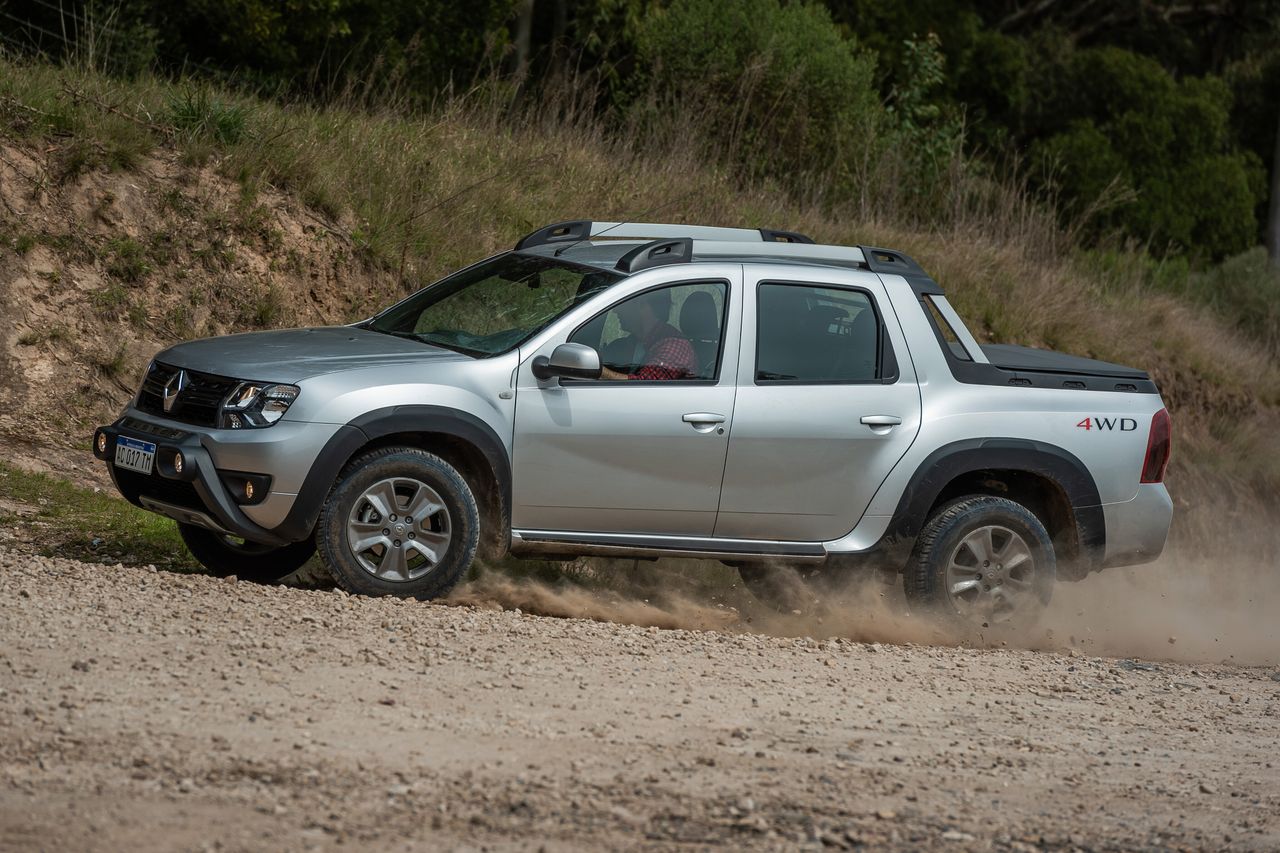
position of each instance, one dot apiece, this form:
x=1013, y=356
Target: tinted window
x=668, y=333
x=815, y=334
x=948, y=334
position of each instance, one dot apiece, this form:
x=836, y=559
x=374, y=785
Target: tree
x=1273, y=215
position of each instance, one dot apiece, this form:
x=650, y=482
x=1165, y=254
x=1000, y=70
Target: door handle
x=704, y=422
x=880, y=420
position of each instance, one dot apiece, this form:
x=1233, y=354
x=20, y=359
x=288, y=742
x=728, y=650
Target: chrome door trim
x=531, y=542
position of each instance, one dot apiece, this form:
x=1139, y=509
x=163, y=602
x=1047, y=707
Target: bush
x=1243, y=290
x=778, y=85
x=1112, y=115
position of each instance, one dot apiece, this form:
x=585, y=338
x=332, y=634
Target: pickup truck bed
x=1012, y=357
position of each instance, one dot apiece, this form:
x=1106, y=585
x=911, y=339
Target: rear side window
x=948, y=335
x=814, y=334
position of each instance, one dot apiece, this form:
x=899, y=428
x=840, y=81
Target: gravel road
x=147, y=710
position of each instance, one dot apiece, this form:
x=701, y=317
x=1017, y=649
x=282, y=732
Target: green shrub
x=778, y=85
x=1119, y=120
x=196, y=112
x=1243, y=289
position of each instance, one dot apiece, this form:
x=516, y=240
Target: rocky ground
x=149, y=710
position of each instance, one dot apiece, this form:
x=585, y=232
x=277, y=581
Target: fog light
x=248, y=490
x=102, y=442
x=177, y=463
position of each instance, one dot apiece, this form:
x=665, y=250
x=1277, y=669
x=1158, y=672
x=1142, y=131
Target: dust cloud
x=1194, y=610
x=1191, y=610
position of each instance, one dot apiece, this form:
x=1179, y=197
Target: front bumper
x=197, y=494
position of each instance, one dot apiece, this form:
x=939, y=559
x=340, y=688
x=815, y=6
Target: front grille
x=153, y=429
x=134, y=485
x=198, y=402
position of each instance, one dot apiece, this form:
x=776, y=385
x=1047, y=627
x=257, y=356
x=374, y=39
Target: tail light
x=1158, y=446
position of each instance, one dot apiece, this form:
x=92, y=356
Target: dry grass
x=416, y=196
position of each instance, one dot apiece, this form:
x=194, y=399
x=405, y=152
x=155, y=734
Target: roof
x=630, y=247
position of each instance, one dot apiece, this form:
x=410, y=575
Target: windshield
x=495, y=305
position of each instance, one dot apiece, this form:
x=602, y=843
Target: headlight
x=254, y=405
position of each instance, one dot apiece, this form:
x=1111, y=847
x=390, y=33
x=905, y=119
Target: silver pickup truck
x=645, y=391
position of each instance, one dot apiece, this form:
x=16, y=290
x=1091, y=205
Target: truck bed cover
x=1019, y=358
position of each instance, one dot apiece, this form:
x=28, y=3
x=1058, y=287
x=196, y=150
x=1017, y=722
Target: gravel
x=150, y=710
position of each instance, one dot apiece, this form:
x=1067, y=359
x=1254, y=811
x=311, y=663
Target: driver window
x=670, y=333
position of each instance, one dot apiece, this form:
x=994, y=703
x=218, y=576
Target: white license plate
x=134, y=454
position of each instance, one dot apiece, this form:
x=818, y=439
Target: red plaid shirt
x=668, y=355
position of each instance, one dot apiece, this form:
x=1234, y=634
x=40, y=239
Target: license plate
x=134, y=454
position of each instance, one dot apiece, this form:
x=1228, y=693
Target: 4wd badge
x=1111, y=424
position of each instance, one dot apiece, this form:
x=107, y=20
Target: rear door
x=827, y=404
x=632, y=455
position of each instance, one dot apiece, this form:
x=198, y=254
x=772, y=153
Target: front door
x=643, y=449
x=826, y=406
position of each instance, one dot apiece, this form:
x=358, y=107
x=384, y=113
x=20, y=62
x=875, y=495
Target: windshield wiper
x=429, y=338
x=425, y=338
x=408, y=335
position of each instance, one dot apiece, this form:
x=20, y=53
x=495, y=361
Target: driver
x=662, y=352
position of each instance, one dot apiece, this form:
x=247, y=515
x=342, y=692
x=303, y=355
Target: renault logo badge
x=173, y=388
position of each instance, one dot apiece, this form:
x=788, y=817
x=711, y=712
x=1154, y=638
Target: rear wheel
x=399, y=521
x=225, y=555
x=982, y=562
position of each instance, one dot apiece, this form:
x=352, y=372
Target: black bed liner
x=1017, y=358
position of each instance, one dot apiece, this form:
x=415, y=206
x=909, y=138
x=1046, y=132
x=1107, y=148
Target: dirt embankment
x=148, y=710
x=101, y=270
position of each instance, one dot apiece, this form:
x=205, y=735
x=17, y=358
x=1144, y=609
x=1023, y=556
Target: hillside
x=136, y=214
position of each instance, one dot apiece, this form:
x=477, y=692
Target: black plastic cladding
x=772, y=236
x=381, y=422
x=1011, y=454
x=557, y=232
x=580, y=229
x=659, y=253
x=892, y=262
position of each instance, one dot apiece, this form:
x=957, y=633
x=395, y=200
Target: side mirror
x=571, y=361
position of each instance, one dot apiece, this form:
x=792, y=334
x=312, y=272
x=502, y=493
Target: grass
x=127, y=260
x=60, y=519
x=194, y=110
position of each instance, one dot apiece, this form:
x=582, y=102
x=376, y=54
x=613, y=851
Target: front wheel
x=982, y=562
x=225, y=555
x=399, y=521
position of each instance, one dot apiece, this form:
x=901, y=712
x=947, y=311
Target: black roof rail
x=890, y=261
x=558, y=232
x=657, y=254
x=576, y=230
x=770, y=235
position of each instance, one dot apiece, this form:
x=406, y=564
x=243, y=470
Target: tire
x=225, y=555
x=370, y=539
x=958, y=572
x=786, y=589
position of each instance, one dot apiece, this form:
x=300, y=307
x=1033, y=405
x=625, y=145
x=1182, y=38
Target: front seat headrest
x=699, y=318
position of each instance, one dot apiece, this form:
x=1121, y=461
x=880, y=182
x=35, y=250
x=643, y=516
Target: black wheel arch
x=1053, y=481
x=470, y=444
